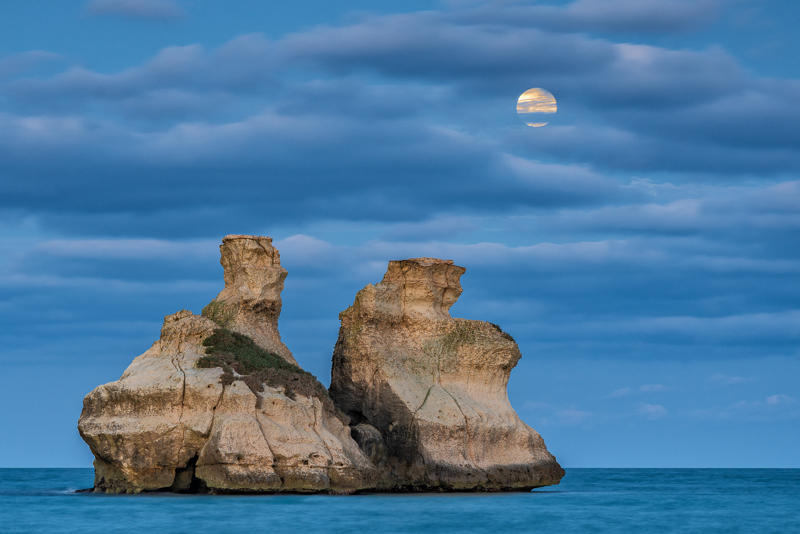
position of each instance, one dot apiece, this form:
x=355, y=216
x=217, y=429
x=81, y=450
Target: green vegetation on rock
x=503, y=333
x=241, y=359
x=221, y=313
x=461, y=333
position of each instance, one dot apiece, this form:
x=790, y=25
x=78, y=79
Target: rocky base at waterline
x=219, y=404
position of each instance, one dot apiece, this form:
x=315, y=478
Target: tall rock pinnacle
x=252, y=296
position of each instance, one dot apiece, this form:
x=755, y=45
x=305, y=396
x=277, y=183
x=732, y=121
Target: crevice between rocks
x=427, y=394
x=467, y=450
x=214, y=410
x=319, y=437
x=259, y=400
x=175, y=361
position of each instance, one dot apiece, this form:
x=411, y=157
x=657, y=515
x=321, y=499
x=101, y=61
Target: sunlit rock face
x=253, y=284
x=167, y=424
x=426, y=393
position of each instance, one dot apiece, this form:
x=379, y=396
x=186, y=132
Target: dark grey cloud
x=627, y=107
x=742, y=213
x=393, y=121
x=243, y=63
x=627, y=16
x=24, y=62
x=137, y=9
x=758, y=117
x=619, y=149
x=627, y=298
x=368, y=139
x=261, y=165
x=426, y=45
x=491, y=58
x=646, y=236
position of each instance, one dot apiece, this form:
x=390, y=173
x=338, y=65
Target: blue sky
x=642, y=248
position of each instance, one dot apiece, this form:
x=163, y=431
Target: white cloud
x=546, y=413
x=572, y=416
x=650, y=388
x=127, y=249
x=728, y=380
x=778, y=406
x=109, y=285
x=651, y=411
x=780, y=398
x=644, y=388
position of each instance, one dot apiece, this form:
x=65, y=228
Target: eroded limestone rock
x=168, y=424
x=251, y=301
x=427, y=393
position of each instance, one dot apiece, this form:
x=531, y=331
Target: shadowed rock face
x=168, y=425
x=426, y=393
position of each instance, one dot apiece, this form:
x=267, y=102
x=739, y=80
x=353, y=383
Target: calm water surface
x=588, y=500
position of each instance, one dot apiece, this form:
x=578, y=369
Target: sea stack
x=218, y=403
x=251, y=301
x=188, y=416
x=426, y=393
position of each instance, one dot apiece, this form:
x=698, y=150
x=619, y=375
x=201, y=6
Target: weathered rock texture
x=168, y=425
x=251, y=301
x=426, y=393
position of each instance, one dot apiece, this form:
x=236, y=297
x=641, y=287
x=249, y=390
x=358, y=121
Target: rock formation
x=251, y=301
x=180, y=419
x=219, y=404
x=426, y=393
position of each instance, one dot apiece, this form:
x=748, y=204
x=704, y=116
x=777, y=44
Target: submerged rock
x=427, y=393
x=180, y=419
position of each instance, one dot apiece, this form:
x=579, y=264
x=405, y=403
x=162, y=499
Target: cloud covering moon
x=535, y=105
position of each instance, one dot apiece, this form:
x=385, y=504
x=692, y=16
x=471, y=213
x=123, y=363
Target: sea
x=587, y=500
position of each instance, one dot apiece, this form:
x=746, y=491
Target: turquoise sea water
x=587, y=500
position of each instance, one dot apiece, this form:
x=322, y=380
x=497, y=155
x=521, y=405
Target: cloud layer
x=654, y=220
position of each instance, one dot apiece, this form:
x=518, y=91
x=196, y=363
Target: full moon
x=535, y=105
